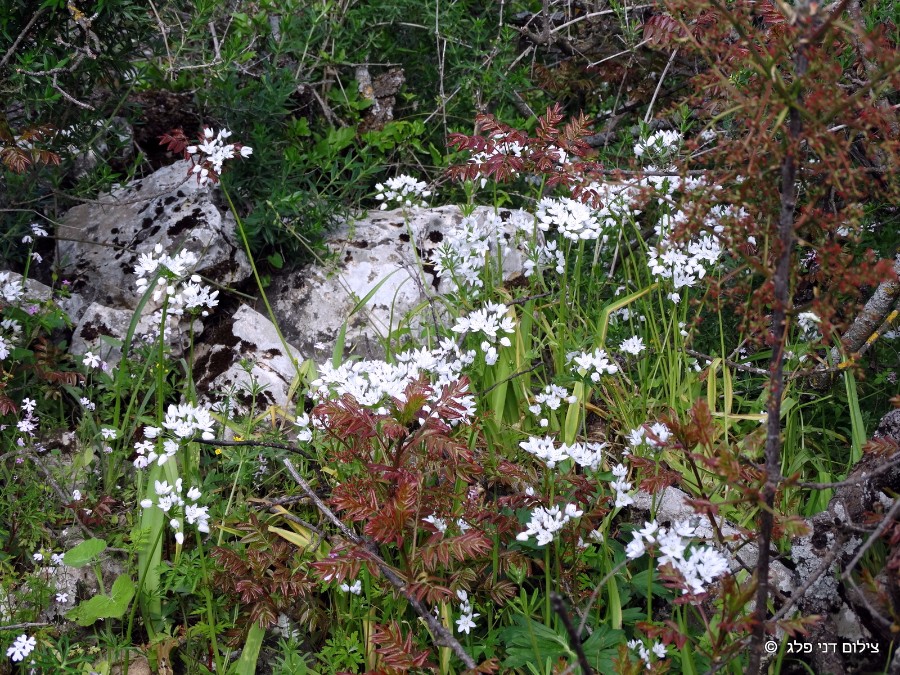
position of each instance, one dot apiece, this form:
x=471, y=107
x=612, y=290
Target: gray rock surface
x=312, y=304
x=101, y=241
x=102, y=329
x=250, y=339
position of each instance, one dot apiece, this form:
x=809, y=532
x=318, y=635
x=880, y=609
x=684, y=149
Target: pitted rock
x=389, y=248
x=100, y=242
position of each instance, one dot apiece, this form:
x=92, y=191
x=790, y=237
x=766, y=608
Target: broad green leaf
x=84, y=553
x=105, y=606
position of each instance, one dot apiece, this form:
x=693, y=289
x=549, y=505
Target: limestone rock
x=243, y=351
x=312, y=304
x=101, y=241
x=101, y=330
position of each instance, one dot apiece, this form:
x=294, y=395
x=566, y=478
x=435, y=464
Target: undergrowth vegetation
x=667, y=343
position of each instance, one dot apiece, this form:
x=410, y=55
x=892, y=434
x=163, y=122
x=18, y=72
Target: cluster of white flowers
x=192, y=297
x=441, y=525
x=657, y=437
x=500, y=149
x=809, y=324
x=492, y=321
x=36, y=231
x=28, y=423
x=354, y=589
x=182, y=421
x=405, y=190
x=699, y=567
x=304, y=428
x=633, y=345
x=466, y=621
x=182, y=295
x=21, y=648
x=211, y=153
x=187, y=420
x=545, y=523
x=657, y=649
x=371, y=382
x=621, y=487
x=169, y=497
x=661, y=145
x=594, y=364
x=187, y=295
x=176, y=266
x=11, y=291
x=587, y=455
x=10, y=331
x=539, y=256
x=550, y=398
x=685, y=264
x=462, y=254
x=574, y=220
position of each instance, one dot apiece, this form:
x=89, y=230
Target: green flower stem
x=259, y=283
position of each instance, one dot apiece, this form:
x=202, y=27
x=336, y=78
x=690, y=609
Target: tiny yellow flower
x=218, y=451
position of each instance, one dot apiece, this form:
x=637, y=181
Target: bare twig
x=590, y=603
x=574, y=639
x=593, y=15
x=796, y=594
x=886, y=522
x=729, y=362
x=71, y=99
x=261, y=444
x=868, y=475
x=507, y=379
x=18, y=40
x=27, y=624
x=659, y=85
x=165, y=34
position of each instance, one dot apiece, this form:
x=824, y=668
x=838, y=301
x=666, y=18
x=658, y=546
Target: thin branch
x=592, y=15
x=559, y=607
x=71, y=99
x=886, y=522
x=659, y=85
x=796, y=594
x=15, y=45
x=866, y=476
x=596, y=593
x=780, y=324
x=27, y=624
x=507, y=379
x=260, y=444
x=729, y=362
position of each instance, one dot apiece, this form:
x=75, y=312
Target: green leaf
x=533, y=642
x=123, y=590
x=105, y=606
x=276, y=260
x=602, y=647
x=84, y=553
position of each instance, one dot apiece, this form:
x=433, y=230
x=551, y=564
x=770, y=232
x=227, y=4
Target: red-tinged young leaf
x=398, y=652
